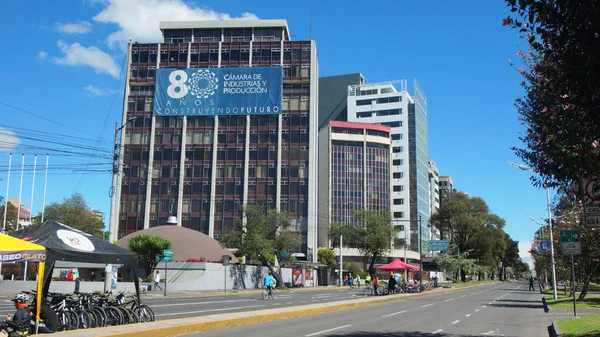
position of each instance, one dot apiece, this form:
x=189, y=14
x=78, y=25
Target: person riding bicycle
x=21, y=320
x=368, y=280
x=269, y=282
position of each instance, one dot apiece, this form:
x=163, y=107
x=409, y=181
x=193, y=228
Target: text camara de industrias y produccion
x=233, y=84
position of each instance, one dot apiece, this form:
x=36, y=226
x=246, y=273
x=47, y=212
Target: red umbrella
x=398, y=265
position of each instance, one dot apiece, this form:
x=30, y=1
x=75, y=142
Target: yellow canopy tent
x=17, y=250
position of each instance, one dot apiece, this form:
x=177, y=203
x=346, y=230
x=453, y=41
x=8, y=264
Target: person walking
x=531, y=283
x=157, y=281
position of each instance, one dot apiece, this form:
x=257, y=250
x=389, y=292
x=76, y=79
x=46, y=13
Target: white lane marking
x=437, y=331
x=197, y=303
x=463, y=296
x=473, y=293
x=476, y=310
x=210, y=310
x=278, y=303
x=455, y=322
x=328, y=330
x=484, y=306
x=289, y=302
x=302, y=301
x=450, y=299
x=488, y=304
x=284, y=296
x=427, y=305
x=396, y=313
x=468, y=315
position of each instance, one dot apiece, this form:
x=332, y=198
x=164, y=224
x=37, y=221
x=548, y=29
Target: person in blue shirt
x=269, y=282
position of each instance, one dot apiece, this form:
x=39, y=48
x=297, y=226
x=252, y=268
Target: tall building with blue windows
x=390, y=104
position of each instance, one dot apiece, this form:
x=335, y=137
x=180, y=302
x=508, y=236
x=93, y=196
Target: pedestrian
x=357, y=281
x=157, y=280
x=531, y=283
x=392, y=284
x=93, y=276
x=350, y=280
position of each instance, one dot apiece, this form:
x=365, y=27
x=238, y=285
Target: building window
x=365, y=114
x=392, y=124
x=398, y=175
x=397, y=136
x=398, y=201
x=398, y=188
x=399, y=215
x=398, y=162
x=363, y=102
x=398, y=149
x=394, y=99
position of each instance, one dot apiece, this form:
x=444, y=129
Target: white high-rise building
x=390, y=104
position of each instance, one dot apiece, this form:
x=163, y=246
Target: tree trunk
x=463, y=275
x=372, y=265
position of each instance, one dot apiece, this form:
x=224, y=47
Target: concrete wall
x=182, y=276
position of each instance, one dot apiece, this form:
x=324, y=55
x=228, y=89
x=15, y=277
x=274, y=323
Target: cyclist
x=368, y=280
x=269, y=282
x=21, y=320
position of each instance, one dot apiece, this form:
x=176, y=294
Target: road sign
x=544, y=246
x=167, y=256
x=438, y=245
x=571, y=244
x=591, y=201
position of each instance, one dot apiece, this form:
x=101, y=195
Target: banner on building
x=218, y=91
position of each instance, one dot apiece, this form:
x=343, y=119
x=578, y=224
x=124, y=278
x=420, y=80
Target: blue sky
x=62, y=61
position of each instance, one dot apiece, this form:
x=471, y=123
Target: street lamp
x=526, y=168
x=112, y=227
x=347, y=207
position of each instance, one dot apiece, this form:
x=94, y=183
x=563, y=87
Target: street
x=168, y=308
x=506, y=309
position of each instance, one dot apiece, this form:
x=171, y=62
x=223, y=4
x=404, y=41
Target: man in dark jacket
x=21, y=320
x=48, y=319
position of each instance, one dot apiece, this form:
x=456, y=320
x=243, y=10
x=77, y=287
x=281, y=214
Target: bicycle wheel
x=113, y=316
x=368, y=291
x=73, y=320
x=127, y=319
x=101, y=315
x=94, y=320
x=273, y=293
x=84, y=319
x=133, y=317
x=265, y=294
x=63, y=320
x=144, y=313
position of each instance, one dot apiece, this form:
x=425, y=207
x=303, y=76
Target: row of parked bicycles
x=95, y=310
x=384, y=289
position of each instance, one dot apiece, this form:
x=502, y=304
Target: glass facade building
x=354, y=172
x=204, y=169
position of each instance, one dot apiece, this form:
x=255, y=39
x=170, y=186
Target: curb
x=180, y=326
x=554, y=330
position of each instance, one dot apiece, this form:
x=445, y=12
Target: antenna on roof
x=310, y=23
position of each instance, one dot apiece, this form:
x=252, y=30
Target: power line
x=48, y=120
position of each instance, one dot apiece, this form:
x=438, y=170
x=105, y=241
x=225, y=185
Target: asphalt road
x=168, y=308
x=507, y=309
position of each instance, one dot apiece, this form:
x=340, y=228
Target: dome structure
x=186, y=243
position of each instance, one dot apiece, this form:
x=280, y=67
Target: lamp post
x=405, y=243
x=525, y=168
x=112, y=227
x=347, y=207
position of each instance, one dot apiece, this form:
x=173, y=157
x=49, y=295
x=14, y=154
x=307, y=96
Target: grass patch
x=586, y=326
x=594, y=287
x=591, y=301
x=459, y=284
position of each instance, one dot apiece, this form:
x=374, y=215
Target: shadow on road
x=520, y=301
x=520, y=306
x=395, y=334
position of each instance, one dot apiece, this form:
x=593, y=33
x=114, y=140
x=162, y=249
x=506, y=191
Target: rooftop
x=212, y=24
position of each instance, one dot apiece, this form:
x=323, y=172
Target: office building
x=434, y=196
x=354, y=173
x=204, y=163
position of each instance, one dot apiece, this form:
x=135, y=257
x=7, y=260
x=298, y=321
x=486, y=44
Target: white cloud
x=8, y=140
x=42, y=55
x=80, y=27
x=524, y=248
x=139, y=19
x=78, y=55
x=95, y=91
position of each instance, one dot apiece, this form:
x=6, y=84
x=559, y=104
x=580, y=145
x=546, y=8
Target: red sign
x=308, y=274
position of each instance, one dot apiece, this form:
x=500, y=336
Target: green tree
x=455, y=262
x=560, y=78
x=264, y=238
x=74, y=212
x=11, y=216
x=373, y=238
x=326, y=257
x=148, y=247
